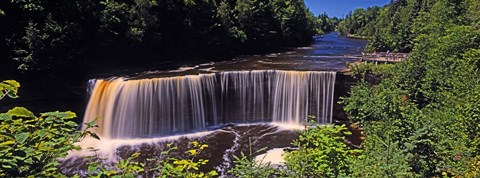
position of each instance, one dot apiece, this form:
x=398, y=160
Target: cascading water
x=165, y=106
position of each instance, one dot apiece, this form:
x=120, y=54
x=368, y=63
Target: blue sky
x=340, y=8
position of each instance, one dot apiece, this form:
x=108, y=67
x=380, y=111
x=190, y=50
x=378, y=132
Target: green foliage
x=360, y=71
x=423, y=115
x=246, y=166
x=321, y=153
x=382, y=157
x=326, y=24
x=250, y=168
x=360, y=23
x=188, y=168
x=369, y=103
x=132, y=20
x=29, y=5
x=165, y=166
x=474, y=167
x=9, y=88
x=388, y=28
x=31, y=145
x=98, y=167
x=47, y=35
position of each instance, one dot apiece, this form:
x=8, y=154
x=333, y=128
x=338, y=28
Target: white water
x=273, y=157
x=166, y=106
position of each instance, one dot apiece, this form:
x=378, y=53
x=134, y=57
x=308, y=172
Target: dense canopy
x=422, y=119
x=41, y=34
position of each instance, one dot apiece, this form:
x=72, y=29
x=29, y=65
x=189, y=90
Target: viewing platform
x=384, y=57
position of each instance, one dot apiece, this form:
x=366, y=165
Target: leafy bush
x=382, y=156
x=30, y=145
x=165, y=166
x=322, y=152
x=359, y=71
x=99, y=167
x=189, y=167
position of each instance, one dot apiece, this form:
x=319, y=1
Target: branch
x=7, y=91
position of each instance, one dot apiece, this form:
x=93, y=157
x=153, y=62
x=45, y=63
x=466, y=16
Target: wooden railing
x=384, y=56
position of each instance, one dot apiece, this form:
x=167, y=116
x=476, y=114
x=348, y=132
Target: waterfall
x=164, y=106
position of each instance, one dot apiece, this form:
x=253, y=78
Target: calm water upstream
x=329, y=52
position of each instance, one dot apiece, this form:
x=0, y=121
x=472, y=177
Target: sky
x=340, y=8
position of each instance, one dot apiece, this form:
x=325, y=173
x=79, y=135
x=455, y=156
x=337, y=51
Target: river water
x=329, y=52
x=283, y=88
x=250, y=101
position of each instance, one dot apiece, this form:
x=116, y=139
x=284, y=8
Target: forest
x=420, y=118
x=67, y=35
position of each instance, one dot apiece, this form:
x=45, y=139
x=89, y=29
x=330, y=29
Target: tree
x=426, y=107
x=321, y=152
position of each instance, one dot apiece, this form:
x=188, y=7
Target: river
x=247, y=102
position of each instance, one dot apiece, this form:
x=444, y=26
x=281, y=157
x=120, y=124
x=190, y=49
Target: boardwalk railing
x=384, y=57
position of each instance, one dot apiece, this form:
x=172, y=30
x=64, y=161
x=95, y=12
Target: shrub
x=30, y=145
x=321, y=152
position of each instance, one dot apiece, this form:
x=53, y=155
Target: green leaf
x=135, y=155
x=10, y=142
x=65, y=115
x=212, y=173
x=95, y=136
x=192, y=152
x=122, y=163
x=137, y=168
x=71, y=123
x=11, y=83
x=21, y=137
x=129, y=175
x=4, y=116
x=21, y=112
x=9, y=87
x=6, y=166
x=203, y=146
x=92, y=168
x=28, y=161
x=91, y=124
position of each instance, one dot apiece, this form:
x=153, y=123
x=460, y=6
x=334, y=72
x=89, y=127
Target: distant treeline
x=395, y=26
x=45, y=34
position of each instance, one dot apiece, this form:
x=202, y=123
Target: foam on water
x=274, y=157
x=107, y=147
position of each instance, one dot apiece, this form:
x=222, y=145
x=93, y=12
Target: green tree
x=321, y=152
x=426, y=107
x=382, y=157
